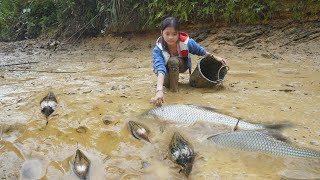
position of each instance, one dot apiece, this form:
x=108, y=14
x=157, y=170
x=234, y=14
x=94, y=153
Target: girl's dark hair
x=168, y=22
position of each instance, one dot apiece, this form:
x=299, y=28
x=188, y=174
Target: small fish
x=182, y=153
x=261, y=141
x=48, y=105
x=139, y=131
x=81, y=165
x=189, y=114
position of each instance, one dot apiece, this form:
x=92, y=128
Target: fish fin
x=216, y=135
x=187, y=169
x=236, y=127
x=277, y=136
x=52, y=97
x=278, y=126
x=202, y=107
x=147, y=139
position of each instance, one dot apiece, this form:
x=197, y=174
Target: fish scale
x=260, y=141
x=189, y=114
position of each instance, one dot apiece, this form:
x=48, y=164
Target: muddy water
x=110, y=79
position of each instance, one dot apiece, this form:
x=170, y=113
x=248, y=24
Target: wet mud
x=103, y=83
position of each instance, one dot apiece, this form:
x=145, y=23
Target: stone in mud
x=107, y=120
x=145, y=164
x=81, y=129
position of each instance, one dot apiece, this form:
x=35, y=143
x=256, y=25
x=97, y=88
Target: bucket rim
x=217, y=81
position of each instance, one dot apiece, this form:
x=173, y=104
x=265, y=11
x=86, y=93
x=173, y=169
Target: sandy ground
x=273, y=77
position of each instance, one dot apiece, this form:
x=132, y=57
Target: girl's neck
x=173, y=46
x=173, y=50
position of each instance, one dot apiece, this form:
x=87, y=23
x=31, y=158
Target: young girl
x=171, y=56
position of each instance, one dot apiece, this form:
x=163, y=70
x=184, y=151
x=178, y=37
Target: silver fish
x=81, y=165
x=139, y=131
x=189, y=114
x=182, y=153
x=261, y=141
x=48, y=104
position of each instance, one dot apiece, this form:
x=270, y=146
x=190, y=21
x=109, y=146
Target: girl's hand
x=221, y=59
x=158, y=99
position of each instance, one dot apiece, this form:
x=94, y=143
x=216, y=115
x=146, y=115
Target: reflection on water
x=96, y=103
x=32, y=169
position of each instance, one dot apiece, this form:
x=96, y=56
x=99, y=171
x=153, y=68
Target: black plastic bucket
x=208, y=73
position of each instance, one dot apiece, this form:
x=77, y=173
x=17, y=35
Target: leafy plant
x=21, y=19
x=303, y=8
x=8, y=18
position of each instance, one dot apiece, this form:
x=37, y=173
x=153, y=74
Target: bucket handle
x=227, y=67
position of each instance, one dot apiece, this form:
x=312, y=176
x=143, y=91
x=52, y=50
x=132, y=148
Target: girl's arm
x=158, y=99
x=158, y=62
x=195, y=48
x=160, y=70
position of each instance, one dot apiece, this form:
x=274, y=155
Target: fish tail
x=277, y=136
x=303, y=152
x=147, y=139
x=187, y=169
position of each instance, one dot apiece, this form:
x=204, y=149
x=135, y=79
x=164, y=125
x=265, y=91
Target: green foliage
x=77, y=17
x=181, y=9
x=231, y=11
x=21, y=19
x=303, y=8
x=120, y=14
x=252, y=11
x=8, y=18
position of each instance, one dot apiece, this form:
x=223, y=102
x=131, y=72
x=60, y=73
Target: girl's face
x=170, y=35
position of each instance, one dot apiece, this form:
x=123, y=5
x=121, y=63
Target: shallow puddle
x=99, y=91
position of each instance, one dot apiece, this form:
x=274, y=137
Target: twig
x=12, y=70
x=112, y=58
x=274, y=56
x=85, y=26
x=20, y=63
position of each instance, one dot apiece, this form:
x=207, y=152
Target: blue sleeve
x=158, y=62
x=195, y=48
